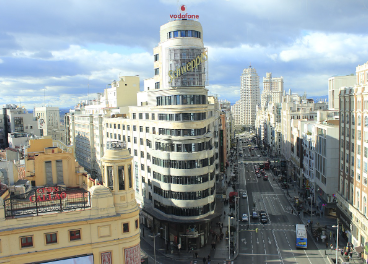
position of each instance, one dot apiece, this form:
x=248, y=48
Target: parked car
x=245, y=217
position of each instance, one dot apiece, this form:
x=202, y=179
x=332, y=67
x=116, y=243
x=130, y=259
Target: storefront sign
x=189, y=67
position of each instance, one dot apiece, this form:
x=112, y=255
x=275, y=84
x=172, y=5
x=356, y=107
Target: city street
x=273, y=241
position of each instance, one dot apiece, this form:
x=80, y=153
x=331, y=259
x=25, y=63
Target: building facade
x=352, y=192
x=49, y=121
x=59, y=213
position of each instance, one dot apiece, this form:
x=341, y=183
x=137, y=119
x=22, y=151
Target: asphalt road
x=274, y=241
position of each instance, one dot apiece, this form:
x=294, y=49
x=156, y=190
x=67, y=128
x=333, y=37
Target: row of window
x=184, y=180
x=50, y=238
x=121, y=177
x=182, y=132
x=182, y=117
x=194, y=211
x=181, y=100
x=183, y=34
x=193, y=147
x=183, y=164
x=183, y=195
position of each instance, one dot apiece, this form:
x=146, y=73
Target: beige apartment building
x=353, y=191
x=57, y=212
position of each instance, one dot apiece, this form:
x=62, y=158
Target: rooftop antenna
x=44, y=96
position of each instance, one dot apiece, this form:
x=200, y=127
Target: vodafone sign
x=184, y=16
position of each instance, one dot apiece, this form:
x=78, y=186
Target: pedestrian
x=204, y=260
x=342, y=252
x=224, y=213
x=292, y=211
x=209, y=258
x=326, y=245
x=196, y=255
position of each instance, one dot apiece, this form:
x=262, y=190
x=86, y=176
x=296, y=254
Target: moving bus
x=301, y=236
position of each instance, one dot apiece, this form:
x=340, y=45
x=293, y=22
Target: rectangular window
x=121, y=176
x=147, y=129
x=141, y=129
x=140, y=115
x=51, y=238
x=136, y=224
x=134, y=128
x=153, y=116
x=125, y=227
x=130, y=176
x=26, y=241
x=110, y=179
x=74, y=235
x=134, y=115
x=157, y=71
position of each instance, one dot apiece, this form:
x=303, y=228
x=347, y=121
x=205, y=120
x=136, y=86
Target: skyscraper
x=249, y=96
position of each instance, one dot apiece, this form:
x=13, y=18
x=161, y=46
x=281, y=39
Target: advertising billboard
x=186, y=67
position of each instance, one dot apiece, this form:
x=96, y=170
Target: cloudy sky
x=58, y=52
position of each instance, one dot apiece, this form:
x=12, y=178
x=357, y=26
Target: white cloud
x=329, y=48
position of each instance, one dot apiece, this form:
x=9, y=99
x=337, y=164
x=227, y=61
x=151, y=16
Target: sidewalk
x=323, y=221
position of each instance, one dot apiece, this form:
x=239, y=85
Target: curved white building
x=184, y=145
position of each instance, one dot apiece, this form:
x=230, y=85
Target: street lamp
x=230, y=217
x=337, y=237
x=154, y=244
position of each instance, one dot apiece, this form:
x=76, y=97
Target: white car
x=258, y=156
x=245, y=217
x=244, y=195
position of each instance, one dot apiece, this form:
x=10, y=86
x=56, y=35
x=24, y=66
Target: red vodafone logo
x=183, y=15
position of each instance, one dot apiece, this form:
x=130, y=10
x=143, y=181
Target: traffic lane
x=289, y=253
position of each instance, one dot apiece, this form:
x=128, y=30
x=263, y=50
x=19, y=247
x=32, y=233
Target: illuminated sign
x=189, y=64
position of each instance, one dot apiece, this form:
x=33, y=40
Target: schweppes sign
x=188, y=67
